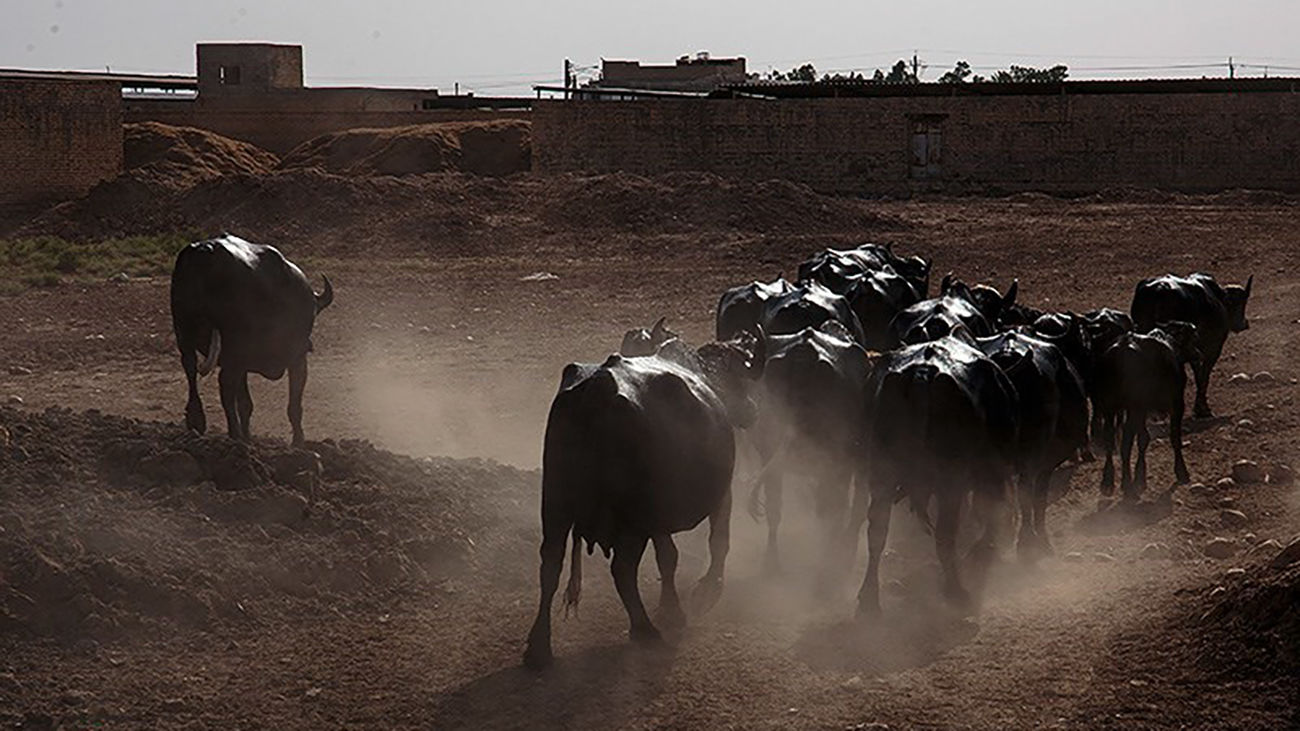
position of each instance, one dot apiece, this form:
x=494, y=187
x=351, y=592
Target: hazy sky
x=497, y=47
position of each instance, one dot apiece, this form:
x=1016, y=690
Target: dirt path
x=460, y=357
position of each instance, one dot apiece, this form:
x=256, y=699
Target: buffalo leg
x=245, y=409
x=709, y=590
x=1041, y=489
x=555, y=531
x=670, y=606
x=627, y=557
x=1143, y=441
x=988, y=506
x=1201, y=371
x=1096, y=429
x=1108, y=470
x=1027, y=498
x=877, y=534
x=229, y=383
x=194, y=417
x=1176, y=440
x=297, y=382
x=773, y=487
x=945, y=543
x=832, y=499
x=1126, y=454
x=858, y=511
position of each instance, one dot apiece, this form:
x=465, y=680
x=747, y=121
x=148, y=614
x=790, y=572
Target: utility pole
x=1232, y=69
x=568, y=77
x=916, y=68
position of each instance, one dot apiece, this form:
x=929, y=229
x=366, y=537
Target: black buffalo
x=636, y=449
x=943, y=424
x=781, y=309
x=812, y=422
x=247, y=309
x=876, y=298
x=1141, y=374
x=835, y=268
x=1053, y=422
x=1197, y=299
x=974, y=308
x=741, y=308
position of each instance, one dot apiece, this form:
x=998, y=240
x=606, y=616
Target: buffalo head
x=730, y=367
x=1235, y=297
x=1183, y=338
x=640, y=341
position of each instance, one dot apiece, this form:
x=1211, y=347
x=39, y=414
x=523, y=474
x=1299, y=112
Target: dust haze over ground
x=154, y=578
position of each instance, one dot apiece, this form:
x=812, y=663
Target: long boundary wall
x=1066, y=144
x=57, y=139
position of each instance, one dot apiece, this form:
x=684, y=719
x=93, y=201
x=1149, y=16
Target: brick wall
x=57, y=139
x=280, y=122
x=1061, y=144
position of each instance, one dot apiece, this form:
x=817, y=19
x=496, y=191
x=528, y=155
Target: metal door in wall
x=927, y=149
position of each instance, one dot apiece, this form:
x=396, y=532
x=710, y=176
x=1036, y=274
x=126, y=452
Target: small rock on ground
x=1271, y=544
x=1281, y=474
x=1247, y=471
x=1233, y=518
x=1288, y=555
x=1220, y=547
x=1155, y=550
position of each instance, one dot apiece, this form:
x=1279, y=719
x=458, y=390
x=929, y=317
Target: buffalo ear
x=945, y=284
x=1249, y=281
x=1010, y=297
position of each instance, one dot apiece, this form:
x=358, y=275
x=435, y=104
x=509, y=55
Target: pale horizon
x=504, y=48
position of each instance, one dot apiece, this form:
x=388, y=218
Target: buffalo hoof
x=670, y=617
x=868, y=609
x=958, y=598
x=1202, y=411
x=706, y=594
x=645, y=634
x=1181, y=477
x=538, y=657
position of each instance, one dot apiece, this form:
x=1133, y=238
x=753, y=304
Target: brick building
x=255, y=92
x=700, y=73
x=1066, y=138
x=58, y=138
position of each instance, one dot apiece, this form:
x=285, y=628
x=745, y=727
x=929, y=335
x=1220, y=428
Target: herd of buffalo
x=853, y=376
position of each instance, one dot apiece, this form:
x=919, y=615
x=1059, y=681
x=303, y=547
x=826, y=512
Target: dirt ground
x=402, y=596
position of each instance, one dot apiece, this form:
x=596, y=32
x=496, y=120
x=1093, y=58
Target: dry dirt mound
x=679, y=202
x=1253, y=626
x=445, y=213
x=111, y=525
x=495, y=148
x=178, y=157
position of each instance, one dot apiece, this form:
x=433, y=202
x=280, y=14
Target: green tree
x=901, y=73
x=957, y=75
x=1029, y=74
x=805, y=74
